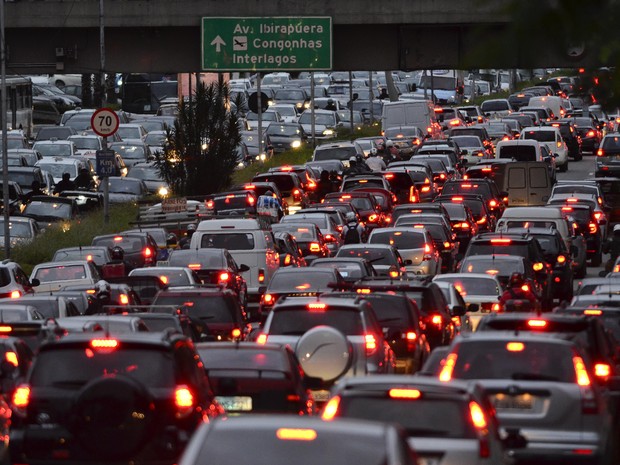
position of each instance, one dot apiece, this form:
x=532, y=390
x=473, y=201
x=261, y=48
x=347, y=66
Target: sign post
x=267, y=44
x=105, y=123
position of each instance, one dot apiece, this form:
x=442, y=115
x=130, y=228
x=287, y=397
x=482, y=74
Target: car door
x=539, y=185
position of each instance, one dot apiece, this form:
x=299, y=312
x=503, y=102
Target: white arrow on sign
x=218, y=42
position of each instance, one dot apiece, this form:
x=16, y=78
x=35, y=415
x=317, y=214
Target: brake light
x=411, y=336
x=600, y=153
x=442, y=176
x=592, y=312
x=16, y=294
x=493, y=203
x=496, y=308
x=437, y=320
x=426, y=189
x=147, y=252
x=590, y=134
x=482, y=220
x=487, y=170
x=118, y=238
x=235, y=333
x=5, y=329
x=447, y=245
x=316, y=306
x=164, y=279
x=536, y=323
x=580, y=371
x=397, y=393
x=261, y=275
x=296, y=434
x=123, y=299
x=501, y=241
x=457, y=199
x=463, y=225
x=329, y=238
x=448, y=367
x=249, y=186
x=104, y=344
x=11, y=357
x=602, y=370
x=515, y=347
x=477, y=415
x=21, y=398
x=427, y=248
x=537, y=266
x=331, y=409
x=412, y=197
x=592, y=227
x=261, y=339
x=250, y=200
x=372, y=218
x=183, y=397
x=388, y=176
x=371, y=343
x=598, y=215
x=561, y=259
x=525, y=288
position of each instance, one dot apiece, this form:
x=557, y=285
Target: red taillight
x=600, y=153
x=437, y=320
x=411, y=336
x=16, y=294
x=261, y=275
x=592, y=226
x=268, y=299
x=448, y=367
x=590, y=134
x=373, y=218
x=602, y=370
x=536, y=323
x=427, y=248
x=235, y=333
x=123, y=299
x=402, y=393
x=583, y=379
x=480, y=423
x=261, y=339
x=315, y=247
x=21, y=398
x=371, y=343
x=493, y=203
x=224, y=276
x=317, y=306
x=598, y=215
x=11, y=357
x=331, y=409
x=412, y=197
x=561, y=259
x=501, y=241
x=147, y=252
x=183, y=397
x=109, y=344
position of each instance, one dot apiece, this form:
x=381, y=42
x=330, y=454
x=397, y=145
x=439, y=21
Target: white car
x=54, y=275
x=87, y=144
x=55, y=148
x=549, y=136
x=169, y=275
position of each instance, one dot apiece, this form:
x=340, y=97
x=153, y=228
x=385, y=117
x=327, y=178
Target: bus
x=144, y=93
x=19, y=104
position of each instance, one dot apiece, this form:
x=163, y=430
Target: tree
x=201, y=152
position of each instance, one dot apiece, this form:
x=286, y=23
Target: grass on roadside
x=79, y=233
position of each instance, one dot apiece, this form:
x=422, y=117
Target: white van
x=249, y=242
x=526, y=150
x=527, y=183
x=419, y=113
x=553, y=102
x=552, y=138
x=535, y=217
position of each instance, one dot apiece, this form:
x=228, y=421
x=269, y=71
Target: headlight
x=296, y=144
x=328, y=132
x=163, y=191
x=299, y=104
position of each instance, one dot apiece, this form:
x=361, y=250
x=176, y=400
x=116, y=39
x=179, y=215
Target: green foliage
x=290, y=157
x=201, y=155
x=79, y=233
x=344, y=132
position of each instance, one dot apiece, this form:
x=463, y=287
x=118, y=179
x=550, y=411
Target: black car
x=140, y=248
x=286, y=136
x=93, y=398
x=248, y=377
x=571, y=137
x=46, y=210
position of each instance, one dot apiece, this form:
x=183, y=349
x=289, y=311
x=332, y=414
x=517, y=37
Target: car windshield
x=146, y=174
x=18, y=228
x=346, y=269
x=335, y=153
x=85, y=143
x=152, y=368
x=319, y=118
x=53, y=150
x=59, y=210
x=468, y=141
x=290, y=95
x=231, y=358
x=284, y=183
x=611, y=142
x=399, y=239
x=320, y=221
x=130, y=152
x=60, y=273
x=230, y=241
x=299, y=233
x=204, y=260
x=123, y=186
x=98, y=256
x=155, y=139
x=397, y=133
x=517, y=360
x=58, y=169
x=283, y=130
x=129, y=133
x=129, y=244
x=210, y=309
x=495, y=105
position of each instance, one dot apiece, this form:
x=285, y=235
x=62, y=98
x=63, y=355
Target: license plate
x=520, y=402
x=428, y=460
x=235, y=403
x=320, y=396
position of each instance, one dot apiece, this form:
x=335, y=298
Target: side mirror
x=457, y=310
x=35, y=282
x=555, y=155
x=473, y=307
x=243, y=268
x=503, y=194
x=464, y=152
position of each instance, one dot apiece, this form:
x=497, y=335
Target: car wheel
x=564, y=167
x=578, y=157
x=112, y=417
x=597, y=259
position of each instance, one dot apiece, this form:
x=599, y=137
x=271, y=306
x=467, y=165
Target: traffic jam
x=445, y=291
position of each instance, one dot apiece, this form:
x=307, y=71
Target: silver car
x=446, y=424
x=415, y=247
x=540, y=386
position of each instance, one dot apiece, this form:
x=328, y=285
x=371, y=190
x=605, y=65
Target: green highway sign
x=266, y=44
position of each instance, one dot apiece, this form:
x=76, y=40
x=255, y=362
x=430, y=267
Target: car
x=214, y=310
x=149, y=173
x=472, y=149
x=54, y=132
x=385, y=258
x=478, y=186
x=415, y=246
x=570, y=135
x=140, y=249
x=86, y=143
x=324, y=221
x=46, y=210
x=480, y=209
x=131, y=132
x=247, y=377
x=14, y=282
x=589, y=132
x=169, y=275
x=297, y=282
x=340, y=151
x=406, y=138
x=285, y=136
x=411, y=183
x=326, y=123
x=462, y=221
x=310, y=439
x=214, y=266
x=58, y=166
x=54, y=275
x=158, y=410
x=132, y=153
x=55, y=148
x=99, y=255
x=145, y=286
x=350, y=269
x=47, y=305
x=308, y=236
x=421, y=406
x=364, y=202
x=290, y=186
x=552, y=138
x=156, y=141
x=521, y=373
x=22, y=230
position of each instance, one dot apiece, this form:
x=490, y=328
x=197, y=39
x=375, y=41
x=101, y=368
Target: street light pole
x=102, y=56
x=5, y=161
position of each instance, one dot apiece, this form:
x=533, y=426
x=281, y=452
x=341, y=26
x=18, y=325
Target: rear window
x=56, y=368
x=127, y=243
x=374, y=256
x=166, y=276
x=423, y=417
x=474, y=286
x=492, y=266
x=514, y=360
x=205, y=261
x=341, y=153
x=496, y=105
x=209, y=309
x=346, y=269
x=299, y=233
x=353, y=184
x=399, y=239
x=518, y=152
x=308, y=281
x=466, y=188
x=5, y=277
x=540, y=136
x=321, y=222
x=611, y=142
x=297, y=322
x=549, y=244
x=230, y=241
x=284, y=183
x=160, y=324
x=227, y=359
x=60, y=273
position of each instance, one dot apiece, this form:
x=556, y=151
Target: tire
x=597, y=259
x=324, y=352
x=578, y=157
x=112, y=417
x=564, y=167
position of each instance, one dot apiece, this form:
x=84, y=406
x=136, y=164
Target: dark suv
x=140, y=248
x=90, y=399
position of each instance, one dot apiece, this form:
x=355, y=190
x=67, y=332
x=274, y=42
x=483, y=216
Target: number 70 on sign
x=104, y=122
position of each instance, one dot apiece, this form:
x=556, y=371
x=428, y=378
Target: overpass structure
x=158, y=36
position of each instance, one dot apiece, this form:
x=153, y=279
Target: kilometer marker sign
x=267, y=44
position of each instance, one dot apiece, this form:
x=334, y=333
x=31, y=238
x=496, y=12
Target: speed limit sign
x=104, y=122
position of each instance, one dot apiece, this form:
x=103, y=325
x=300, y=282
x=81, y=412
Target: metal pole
x=5, y=156
x=106, y=189
x=102, y=55
x=425, y=85
x=351, y=100
x=432, y=87
x=259, y=105
x=372, y=98
x=312, y=109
